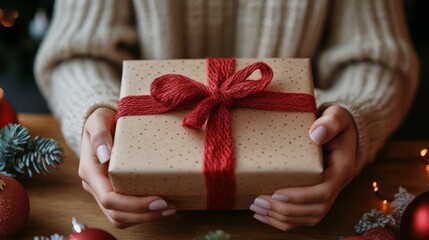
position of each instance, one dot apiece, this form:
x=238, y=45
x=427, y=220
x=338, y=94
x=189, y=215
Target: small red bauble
x=353, y=238
x=7, y=113
x=81, y=232
x=415, y=219
x=14, y=207
x=379, y=233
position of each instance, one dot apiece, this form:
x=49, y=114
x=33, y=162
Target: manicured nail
x=158, y=204
x=280, y=197
x=263, y=203
x=103, y=153
x=319, y=134
x=261, y=218
x=259, y=210
x=168, y=212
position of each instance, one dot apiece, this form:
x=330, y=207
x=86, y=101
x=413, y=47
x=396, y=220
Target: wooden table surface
x=57, y=197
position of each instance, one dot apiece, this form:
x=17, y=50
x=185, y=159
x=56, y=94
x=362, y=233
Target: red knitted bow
x=210, y=104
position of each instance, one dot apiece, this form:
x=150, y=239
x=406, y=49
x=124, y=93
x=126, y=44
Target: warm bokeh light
x=423, y=152
x=375, y=186
x=8, y=17
x=385, y=202
x=427, y=168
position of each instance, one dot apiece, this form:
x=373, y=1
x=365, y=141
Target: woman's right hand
x=122, y=210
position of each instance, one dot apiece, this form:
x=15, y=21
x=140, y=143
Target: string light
x=377, y=193
x=376, y=189
x=8, y=17
x=423, y=152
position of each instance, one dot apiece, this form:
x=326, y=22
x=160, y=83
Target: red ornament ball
x=14, y=207
x=7, y=113
x=379, y=233
x=82, y=232
x=415, y=219
x=92, y=234
x=353, y=238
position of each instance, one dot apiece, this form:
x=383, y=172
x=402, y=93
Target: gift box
x=214, y=133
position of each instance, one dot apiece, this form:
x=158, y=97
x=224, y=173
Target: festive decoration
x=424, y=155
x=379, y=233
x=20, y=154
x=52, y=237
x=81, y=232
x=8, y=17
x=263, y=126
x=216, y=235
x=14, y=207
x=375, y=218
x=7, y=113
x=384, y=199
x=409, y=219
x=210, y=106
x=415, y=219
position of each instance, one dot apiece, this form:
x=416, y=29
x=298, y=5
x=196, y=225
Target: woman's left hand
x=292, y=207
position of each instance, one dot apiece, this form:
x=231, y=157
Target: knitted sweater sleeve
x=78, y=65
x=369, y=67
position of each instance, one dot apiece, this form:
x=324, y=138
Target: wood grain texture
x=57, y=197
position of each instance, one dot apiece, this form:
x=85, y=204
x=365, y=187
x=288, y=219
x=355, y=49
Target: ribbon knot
x=223, y=98
x=210, y=105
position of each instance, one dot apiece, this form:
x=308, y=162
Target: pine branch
x=216, y=235
x=20, y=154
x=13, y=140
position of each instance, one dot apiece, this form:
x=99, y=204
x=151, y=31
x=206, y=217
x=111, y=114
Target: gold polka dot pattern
x=155, y=155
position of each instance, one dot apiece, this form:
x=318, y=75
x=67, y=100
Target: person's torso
x=222, y=28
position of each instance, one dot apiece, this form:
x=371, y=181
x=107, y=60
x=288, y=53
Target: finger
x=275, y=223
x=291, y=209
x=126, y=218
x=100, y=126
x=95, y=175
x=302, y=220
x=319, y=193
x=332, y=122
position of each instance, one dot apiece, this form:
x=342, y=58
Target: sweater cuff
x=79, y=87
x=376, y=98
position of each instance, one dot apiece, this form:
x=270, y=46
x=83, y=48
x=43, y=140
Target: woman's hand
x=306, y=206
x=121, y=210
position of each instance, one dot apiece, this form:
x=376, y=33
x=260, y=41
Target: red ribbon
x=210, y=104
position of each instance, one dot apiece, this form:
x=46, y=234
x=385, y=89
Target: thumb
x=332, y=122
x=100, y=126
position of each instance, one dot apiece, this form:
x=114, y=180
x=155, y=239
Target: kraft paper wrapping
x=155, y=155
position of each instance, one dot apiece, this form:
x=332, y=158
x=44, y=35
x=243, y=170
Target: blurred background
x=23, y=24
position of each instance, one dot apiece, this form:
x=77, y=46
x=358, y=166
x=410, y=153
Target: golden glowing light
x=8, y=17
x=375, y=186
x=423, y=152
x=427, y=167
x=385, y=202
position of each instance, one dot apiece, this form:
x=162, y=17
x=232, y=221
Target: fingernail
x=261, y=218
x=263, y=203
x=168, y=212
x=280, y=197
x=319, y=134
x=259, y=210
x=103, y=153
x=158, y=205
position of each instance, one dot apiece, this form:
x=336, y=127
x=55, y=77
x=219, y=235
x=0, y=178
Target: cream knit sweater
x=362, y=56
